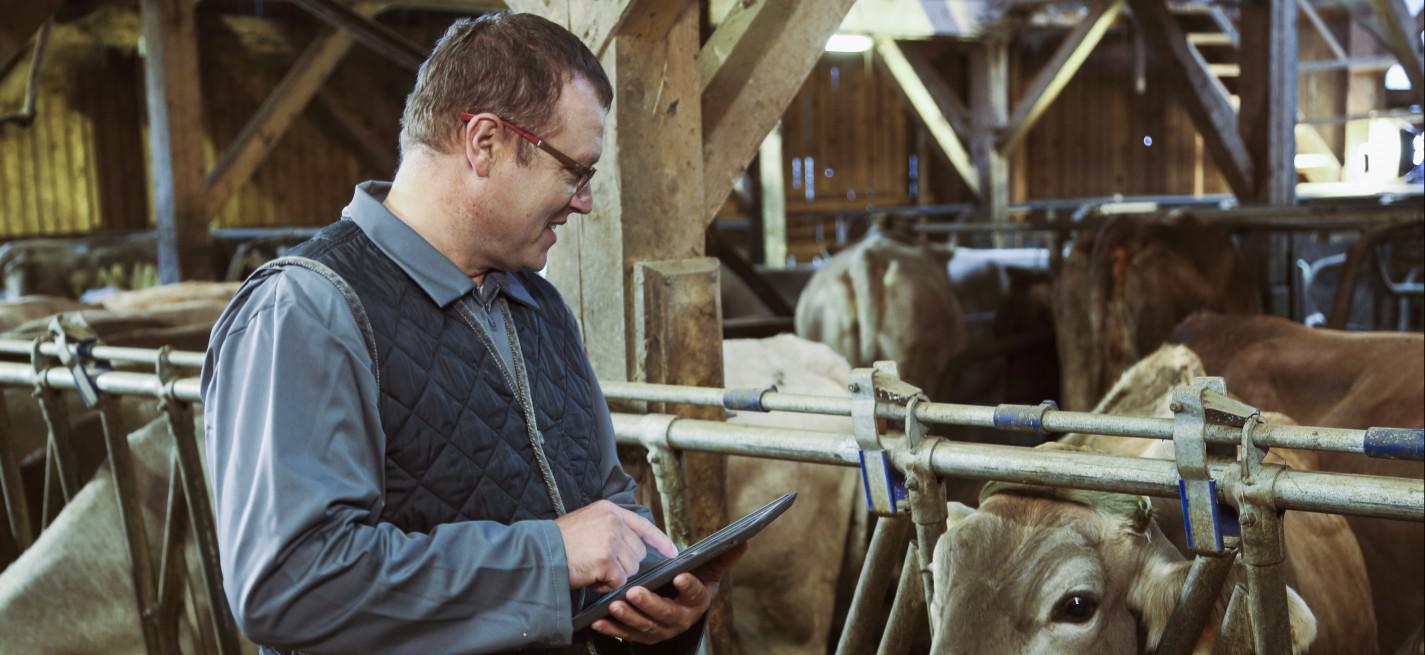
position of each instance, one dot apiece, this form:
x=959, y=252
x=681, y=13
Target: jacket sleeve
x=296, y=458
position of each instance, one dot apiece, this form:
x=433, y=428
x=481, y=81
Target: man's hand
x=647, y=618
x=605, y=543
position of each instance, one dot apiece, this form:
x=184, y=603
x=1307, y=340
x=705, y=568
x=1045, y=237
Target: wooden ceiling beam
x=930, y=110
x=22, y=21
x=1266, y=120
x=1200, y=93
x=384, y=40
x=1057, y=72
x=595, y=21
x=752, y=66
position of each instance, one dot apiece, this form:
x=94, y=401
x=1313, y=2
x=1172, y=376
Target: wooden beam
x=773, y=199
x=595, y=23
x=1267, y=118
x=176, y=138
x=955, y=109
x=989, y=103
x=263, y=131
x=1322, y=29
x=376, y=151
x=1200, y=93
x=751, y=68
x=1057, y=72
x=384, y=40
x=1403, y=39
x=933, y=115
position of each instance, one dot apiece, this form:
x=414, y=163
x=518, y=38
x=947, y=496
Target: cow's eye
x=1076, y=607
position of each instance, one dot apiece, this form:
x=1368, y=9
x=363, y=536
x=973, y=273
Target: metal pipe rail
x=183, y=358
x=1308, y=491
x=1374, y=442
x=116, y=382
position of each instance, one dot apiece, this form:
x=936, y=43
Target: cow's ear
x=1154, y=595
x=940, y=560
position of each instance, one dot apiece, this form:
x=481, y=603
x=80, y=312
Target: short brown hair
x=511, y=65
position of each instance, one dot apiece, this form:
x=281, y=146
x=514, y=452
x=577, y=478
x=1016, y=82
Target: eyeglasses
x=581, y=172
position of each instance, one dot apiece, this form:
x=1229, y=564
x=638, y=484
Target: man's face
x=532, y=200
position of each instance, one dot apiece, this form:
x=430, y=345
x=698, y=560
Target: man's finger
x=650, y=534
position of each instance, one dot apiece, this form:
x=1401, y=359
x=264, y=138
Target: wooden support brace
x=1200, y=93
x=1058, y=71
x=1403, y=38
x=932, y=108
x=594, y=22
x=370, y=33
x=752, y=66
x=176, y=137
x=263, y=131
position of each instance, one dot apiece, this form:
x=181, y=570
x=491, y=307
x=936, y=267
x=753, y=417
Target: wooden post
x=1267, y=124
x=774, y=200
x=176, y=137
x=1403, y=38
x=1267, y=118
x=989, y=103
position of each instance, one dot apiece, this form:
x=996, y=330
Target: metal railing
x=889, y=440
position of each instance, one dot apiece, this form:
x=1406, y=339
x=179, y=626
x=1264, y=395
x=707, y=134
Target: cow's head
x=1035, y=570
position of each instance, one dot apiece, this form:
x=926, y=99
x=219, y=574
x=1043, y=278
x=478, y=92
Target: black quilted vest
x=457, y=447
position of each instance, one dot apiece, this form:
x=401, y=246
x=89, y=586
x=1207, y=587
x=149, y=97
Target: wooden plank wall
x=82, y=166
x=1101, y=137
x=89, y=106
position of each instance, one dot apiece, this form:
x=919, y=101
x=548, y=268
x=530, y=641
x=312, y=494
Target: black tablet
x=690, y=559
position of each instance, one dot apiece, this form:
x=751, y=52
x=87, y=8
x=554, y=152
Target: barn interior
x=1080, y=176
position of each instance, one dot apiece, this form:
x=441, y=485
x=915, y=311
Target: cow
x=69, y=267
x=1120, y=292
x=24, y=309
x=887, y=298
x=1040, y=570
x=71, y=592
x=785, y=588
x=1335, y=379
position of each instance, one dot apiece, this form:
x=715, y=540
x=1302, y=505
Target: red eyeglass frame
x=582, y=172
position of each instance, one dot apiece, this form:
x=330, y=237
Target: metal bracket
x=667, y=469
x=74, y=345
x=749, y=399
x=1194, y=406
x=1023, y=418
x=885, y=487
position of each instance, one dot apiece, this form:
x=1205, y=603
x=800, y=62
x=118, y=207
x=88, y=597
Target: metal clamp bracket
x=1023, y=418
x=74, y=344
x=749, y=399
x=1195, y=405
x=885, y=486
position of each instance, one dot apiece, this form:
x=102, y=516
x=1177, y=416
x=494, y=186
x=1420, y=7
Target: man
x=408, y=448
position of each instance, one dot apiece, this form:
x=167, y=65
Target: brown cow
x=1341, y=380
x=1120, y=292
x=886, y=299
x=1036, y=570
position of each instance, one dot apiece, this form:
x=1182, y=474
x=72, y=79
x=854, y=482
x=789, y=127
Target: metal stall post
x=1211, y=535
x=907, y=622
x=59, y=456
x=668, y=477
x=199, y=507
x=886, y=497
x=1263, y=548
x=74, y=347
x=1236, y=636
x=12, y=488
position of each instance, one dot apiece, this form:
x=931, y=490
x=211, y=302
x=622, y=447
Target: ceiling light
x=848, y=43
